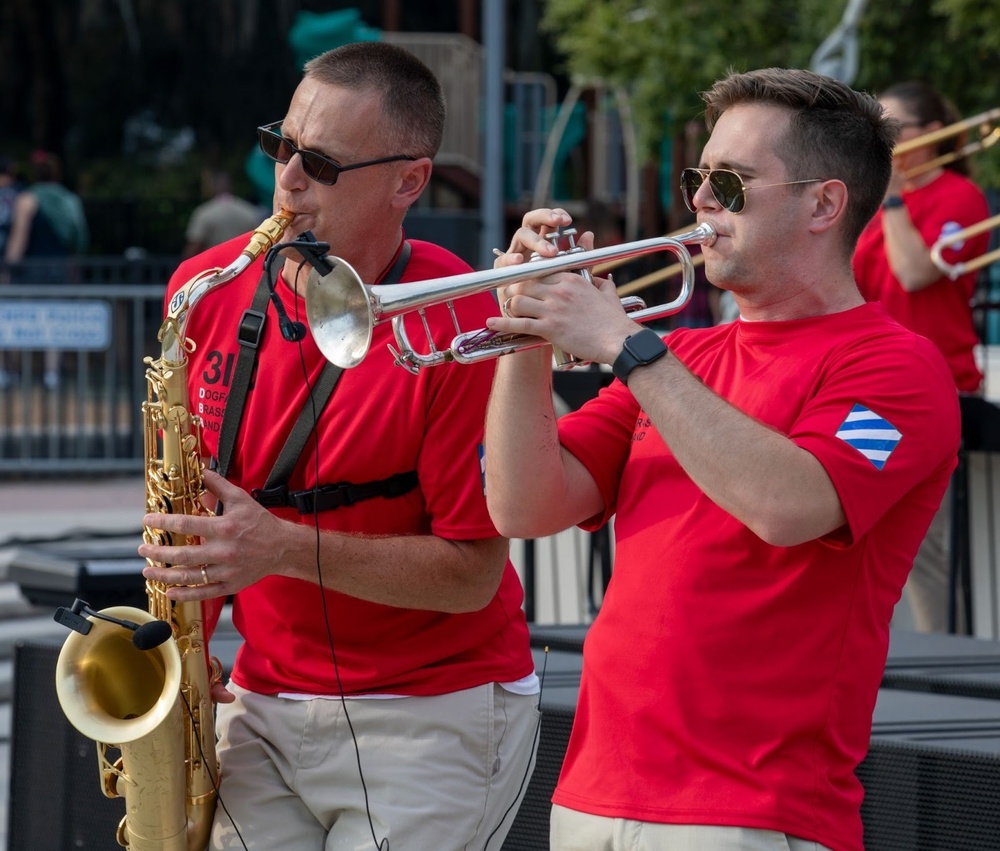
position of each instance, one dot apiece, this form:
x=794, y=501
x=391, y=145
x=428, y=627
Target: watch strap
x=639, y=349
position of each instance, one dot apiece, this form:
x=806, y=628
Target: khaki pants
x=927, y=585
x=442, y=772
x=570, y=830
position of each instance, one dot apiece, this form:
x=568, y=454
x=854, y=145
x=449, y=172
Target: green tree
x=665, y=52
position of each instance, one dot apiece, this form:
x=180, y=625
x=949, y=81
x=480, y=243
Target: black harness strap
x=249, y=335
x=328, y=497
x=275, y=493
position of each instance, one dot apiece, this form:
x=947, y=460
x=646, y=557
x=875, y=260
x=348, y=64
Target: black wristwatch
x=893, y=202
x=639, y=349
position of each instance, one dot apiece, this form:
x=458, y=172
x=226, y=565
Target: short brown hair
x=413, y=107
x=835, y=133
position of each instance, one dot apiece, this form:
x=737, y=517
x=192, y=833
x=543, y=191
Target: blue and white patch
x=872, y=435
x=949, y=228
x=176, y=302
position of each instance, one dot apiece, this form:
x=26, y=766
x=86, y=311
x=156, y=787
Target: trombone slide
x=956, y=270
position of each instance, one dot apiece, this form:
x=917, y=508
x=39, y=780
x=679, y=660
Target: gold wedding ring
x=204, y=576
x=503, y=307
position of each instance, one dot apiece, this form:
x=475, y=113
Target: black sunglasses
x=316, y=166
x=727, y=187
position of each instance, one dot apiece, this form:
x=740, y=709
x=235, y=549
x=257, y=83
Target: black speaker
x=568, y=637
x=943, y=664
x=530, y=830
x=55, y=800
x=102, y=571
x=930, y=796
x=56, y=803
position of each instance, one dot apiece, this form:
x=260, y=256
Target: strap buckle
x=276, y=497
x=251, y=328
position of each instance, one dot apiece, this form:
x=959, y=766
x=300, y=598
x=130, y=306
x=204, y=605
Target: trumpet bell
x=339, y=314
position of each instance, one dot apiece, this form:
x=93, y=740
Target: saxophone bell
x=126, y=698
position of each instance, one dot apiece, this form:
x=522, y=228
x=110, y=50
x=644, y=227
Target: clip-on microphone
x=312, y=251
x=146, y=636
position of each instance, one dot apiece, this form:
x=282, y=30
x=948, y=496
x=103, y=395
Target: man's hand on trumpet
x=588, y=322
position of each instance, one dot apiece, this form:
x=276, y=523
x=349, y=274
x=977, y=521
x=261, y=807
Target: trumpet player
x=385, y=694
x=924, y=203
x=770, y=481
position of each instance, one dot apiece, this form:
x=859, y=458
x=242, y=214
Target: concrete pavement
x=49, y=508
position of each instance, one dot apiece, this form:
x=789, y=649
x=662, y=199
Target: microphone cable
x=314, y=252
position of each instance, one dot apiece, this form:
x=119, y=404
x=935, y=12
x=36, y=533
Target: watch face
x=646, y=345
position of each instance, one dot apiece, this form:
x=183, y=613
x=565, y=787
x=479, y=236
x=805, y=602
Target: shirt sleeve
x=878, y=426
x=599, y=436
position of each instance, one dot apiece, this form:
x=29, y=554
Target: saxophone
x=155, y=705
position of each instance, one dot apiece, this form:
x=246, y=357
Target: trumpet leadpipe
x=342, y=311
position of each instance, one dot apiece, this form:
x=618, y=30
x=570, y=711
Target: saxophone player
x=385, y=692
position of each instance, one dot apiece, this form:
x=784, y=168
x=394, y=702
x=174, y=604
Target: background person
x=385, y=692
x=770, y=478
x=893, y=265
x=222, y=217
x=49, y=224
x=49, y=219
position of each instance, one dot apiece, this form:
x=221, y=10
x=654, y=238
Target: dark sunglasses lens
x=319, y=168
x=274, y=146
x=727, y=186
x=691, y=181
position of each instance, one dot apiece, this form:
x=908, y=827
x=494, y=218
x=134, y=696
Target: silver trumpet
x=342, y=310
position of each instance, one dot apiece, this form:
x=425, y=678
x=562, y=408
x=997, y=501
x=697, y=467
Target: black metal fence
x=71, y=364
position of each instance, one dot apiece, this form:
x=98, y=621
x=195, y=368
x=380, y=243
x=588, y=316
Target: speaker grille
x=56, y=803
x=921, y=797
x=530, y=830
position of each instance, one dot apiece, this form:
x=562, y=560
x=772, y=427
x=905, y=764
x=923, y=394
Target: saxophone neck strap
x=275, y=492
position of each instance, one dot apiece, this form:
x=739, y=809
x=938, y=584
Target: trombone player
x=929, y=197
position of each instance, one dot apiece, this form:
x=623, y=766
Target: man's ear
x=412, y=182
x=830, y=198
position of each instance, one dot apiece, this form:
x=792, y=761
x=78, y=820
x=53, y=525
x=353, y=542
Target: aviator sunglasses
x=727, y=187
x=316, y=166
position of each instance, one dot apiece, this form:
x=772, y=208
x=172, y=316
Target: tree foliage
x=667, y=51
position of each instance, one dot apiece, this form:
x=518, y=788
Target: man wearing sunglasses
x=769, y=479
x=385, y=694
x=926, y=201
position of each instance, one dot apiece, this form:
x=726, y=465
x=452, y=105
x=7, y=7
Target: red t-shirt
x=380, y=421
x=940, y=311
x=731, y=682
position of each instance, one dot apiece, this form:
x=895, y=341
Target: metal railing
x=71, y=366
